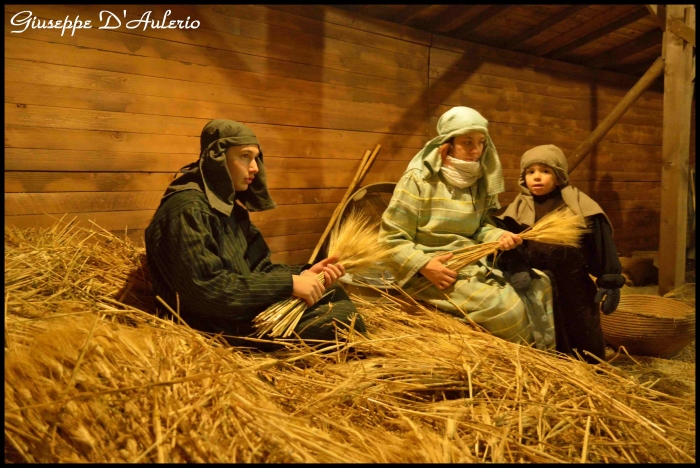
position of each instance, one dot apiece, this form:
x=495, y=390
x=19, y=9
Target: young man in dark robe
x=544, y=187
x=204, y=251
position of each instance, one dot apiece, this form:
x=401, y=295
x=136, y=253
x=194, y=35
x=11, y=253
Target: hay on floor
x=92, y=376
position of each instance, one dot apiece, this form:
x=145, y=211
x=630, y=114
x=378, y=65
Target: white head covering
x=458, y=121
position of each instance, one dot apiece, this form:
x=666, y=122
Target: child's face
x=540, y=179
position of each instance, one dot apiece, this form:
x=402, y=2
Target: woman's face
x=466, y=147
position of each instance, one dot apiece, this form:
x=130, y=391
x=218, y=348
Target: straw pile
x=89, y=379
x=356, y=246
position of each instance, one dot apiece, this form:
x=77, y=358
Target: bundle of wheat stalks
x=560, y=227
x=356, y=246
x=89, y=378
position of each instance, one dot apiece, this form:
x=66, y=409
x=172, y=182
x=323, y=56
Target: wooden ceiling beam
x=542, y=26
x=409, y=13
x=348, y=7
x=639, y=44
x=638, y=67
x=582, y=30
x=451, y=18
x=367, y=10
x=658, y=14
x=597, y=34
x=478, y=20
x=679, y=28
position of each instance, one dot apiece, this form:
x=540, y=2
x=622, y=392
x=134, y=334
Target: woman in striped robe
x=442, y=203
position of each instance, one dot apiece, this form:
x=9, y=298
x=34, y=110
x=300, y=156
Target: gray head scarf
x=211, y=175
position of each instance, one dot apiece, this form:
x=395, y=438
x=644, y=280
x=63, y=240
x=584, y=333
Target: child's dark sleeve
x=514, y=263
x=508, y=224
x=602, y=252
x=514, y=260
x=604, y=264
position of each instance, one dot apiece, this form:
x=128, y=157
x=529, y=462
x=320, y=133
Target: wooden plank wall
x=561, y=104
x=98, y=123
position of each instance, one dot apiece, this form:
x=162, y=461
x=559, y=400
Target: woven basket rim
x=636, y=305
x=622, y=315
x=646, y=334
x=639, y=327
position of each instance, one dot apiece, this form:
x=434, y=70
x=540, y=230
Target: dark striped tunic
x=221, y=270
x=219, y=265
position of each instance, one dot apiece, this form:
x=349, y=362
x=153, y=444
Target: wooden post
x=678, y=55
x=658, y=15
x=680, y=29
x=365, y=164
x=604, y=127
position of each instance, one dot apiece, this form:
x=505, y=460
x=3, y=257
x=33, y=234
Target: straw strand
x=355, y=244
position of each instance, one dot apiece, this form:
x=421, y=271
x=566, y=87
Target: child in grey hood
x=544, y=187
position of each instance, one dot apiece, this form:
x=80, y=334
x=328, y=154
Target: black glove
x=609, y=287
x=516, y=269
x=612, y=299
x=520, y=281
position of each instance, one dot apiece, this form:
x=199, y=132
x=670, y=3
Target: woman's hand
x=509, y=241
x=331, y=270
x=307, y=287
x=439, y=274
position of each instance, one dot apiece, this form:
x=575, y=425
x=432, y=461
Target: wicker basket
x=372, y=200
x=650, y=325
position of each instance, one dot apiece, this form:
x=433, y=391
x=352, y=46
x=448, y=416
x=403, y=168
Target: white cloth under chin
x=461, y=174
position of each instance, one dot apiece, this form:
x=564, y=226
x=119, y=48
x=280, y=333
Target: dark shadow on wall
x=611, y=199
x=455, y=77
x=593, y=124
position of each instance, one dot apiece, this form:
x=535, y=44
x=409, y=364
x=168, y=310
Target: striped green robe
x=428, y=216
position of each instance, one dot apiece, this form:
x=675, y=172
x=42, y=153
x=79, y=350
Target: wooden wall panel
x=530, y=106
x=98, y=123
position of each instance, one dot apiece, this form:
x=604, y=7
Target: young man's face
x=540, y=179
x=241, y=164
